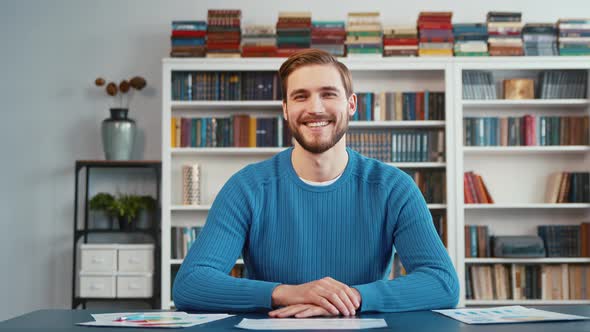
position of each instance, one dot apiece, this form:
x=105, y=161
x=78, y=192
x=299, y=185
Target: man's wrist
x=278, y=295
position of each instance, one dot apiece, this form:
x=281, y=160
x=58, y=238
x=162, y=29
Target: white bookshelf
x=218, y=164
x=516, y=176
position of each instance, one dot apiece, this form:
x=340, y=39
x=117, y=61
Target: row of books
x=566, y=240
x=528, y=282
x=558, y=240
x=568, y=187
x=477, y=241
x=475, y=190
x=235, y=131
x=182, y=240
x=528, y=130
x=432, y=184
x=551, y=84
x=399, y=145
x=400, y=106
x=562, y=84
x=433, y=34
x=225, y=86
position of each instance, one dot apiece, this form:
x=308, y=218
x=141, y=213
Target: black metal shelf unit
x=82, y=233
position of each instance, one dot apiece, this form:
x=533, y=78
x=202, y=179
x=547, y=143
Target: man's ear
x=285, y=109
x=351, y=105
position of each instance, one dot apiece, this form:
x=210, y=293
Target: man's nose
x=316, y=104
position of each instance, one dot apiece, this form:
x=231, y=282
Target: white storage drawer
x=98, y=258
x=136, y=258
x=96, y=285
x=136, y=286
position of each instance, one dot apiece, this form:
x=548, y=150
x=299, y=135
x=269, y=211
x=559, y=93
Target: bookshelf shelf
x=419, y=165
x=557, y=149
x=190, y=207
x=526, y=103
x=522, y=302
x=397, y=124
x=544, y=260
x=226, y=151
x=527, y=206
x=227, y=105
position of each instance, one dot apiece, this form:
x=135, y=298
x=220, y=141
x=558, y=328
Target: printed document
x=504, y=315
x=311, y=323
x=153, y=319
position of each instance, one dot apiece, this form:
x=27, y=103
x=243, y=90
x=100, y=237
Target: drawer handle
x=96, y=286
x=134, y=260
x=134, y=286
x=97, y=260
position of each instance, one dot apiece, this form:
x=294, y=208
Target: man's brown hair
x=313, y=57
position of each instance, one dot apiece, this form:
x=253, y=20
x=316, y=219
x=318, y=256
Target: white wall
x=50, y=53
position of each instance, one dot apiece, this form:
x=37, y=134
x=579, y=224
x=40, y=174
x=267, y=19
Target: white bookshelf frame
x=463, y=107
x=455, y=107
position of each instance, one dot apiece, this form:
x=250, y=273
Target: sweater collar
x=286, y=164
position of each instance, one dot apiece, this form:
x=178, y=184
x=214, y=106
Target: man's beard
x=316, y=146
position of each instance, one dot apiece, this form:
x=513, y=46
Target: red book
x=435, y=25
x=419, y=105
x=400, y=41
x=530, y=136
x=246, y=49
x=468, y=199
x=437, y=39
x=189, y=33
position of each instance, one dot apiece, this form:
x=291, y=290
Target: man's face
x=317, y=108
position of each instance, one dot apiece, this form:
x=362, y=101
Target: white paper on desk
x=311, y=323
x=153, y=319
x=505, y=315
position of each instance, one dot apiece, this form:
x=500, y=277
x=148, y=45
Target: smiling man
x=318, y=223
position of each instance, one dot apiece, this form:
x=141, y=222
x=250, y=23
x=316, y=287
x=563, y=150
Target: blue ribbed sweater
x=291, y=232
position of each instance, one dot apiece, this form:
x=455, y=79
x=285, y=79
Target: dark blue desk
x=417, y=321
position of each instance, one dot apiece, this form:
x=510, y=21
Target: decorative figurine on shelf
x=118, y=131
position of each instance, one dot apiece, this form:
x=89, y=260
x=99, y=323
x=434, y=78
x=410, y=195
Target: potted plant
x=118, y=131
x=125, y=207
x=102, y=202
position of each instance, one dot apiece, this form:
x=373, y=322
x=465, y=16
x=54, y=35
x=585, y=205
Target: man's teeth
x=318, y=124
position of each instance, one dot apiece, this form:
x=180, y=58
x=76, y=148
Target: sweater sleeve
x=431, y=281
x=203, y=281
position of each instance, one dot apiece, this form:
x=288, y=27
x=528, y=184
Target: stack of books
x=188, y=38
x=363, y=34
x=574, y=36
x=223, y=33
x=540, y=39
x=436, y=34
x=401, y=40
x=505, y=33
x=259, y=41
x=293, y=32
x=329, y=36
x=471, y=39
